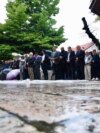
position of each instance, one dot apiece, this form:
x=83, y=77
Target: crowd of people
x=64, y=65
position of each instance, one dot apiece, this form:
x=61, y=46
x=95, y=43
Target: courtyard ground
x=49, y=106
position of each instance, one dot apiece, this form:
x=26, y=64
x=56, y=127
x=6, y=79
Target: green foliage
x=30, y=24
x=5, y=52
x=97, y=19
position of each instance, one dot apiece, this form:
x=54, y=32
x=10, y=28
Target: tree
x=89, y=33
x=30, y=25
x=97, y=19
x=5, y=51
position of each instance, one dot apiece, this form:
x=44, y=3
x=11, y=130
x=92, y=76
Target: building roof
x=84, y=46
x=87, y=45
x=95, y=7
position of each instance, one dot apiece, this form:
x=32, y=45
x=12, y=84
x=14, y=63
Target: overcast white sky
x=71, y=12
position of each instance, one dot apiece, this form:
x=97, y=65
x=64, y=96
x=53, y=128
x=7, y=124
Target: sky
x=2, y=10
x=70, y=14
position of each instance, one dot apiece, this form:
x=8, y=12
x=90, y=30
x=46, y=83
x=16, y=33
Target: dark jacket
x=46, y=64
x=95, y=58
x=80, y=55
x=15, y=64
x=71, y=57
x=63, y=54
x=30, y=62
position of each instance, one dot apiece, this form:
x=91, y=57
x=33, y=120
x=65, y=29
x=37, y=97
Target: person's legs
x=45, y=72
x=89, y=72
x=30, y=72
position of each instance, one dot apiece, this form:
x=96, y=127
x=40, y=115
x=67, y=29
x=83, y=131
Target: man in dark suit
x=55, y=63
x=95, y=65
x=70, y=64
x=37, y=64
x=62, y=63
x=45, y=64
x=80, y=55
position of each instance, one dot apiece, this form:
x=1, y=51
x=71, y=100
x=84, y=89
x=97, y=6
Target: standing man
x=30, y=64
x=95, y=65
x=45, y=64
x=63, y=56
x=37, y=64
x=22, y=66
x=80, y=54
x=70, y=64
x=55, y=64
x=87, y=68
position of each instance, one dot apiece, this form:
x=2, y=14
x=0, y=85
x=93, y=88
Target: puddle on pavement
x=58, y=107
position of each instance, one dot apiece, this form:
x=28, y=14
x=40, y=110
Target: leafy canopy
x=30, y=24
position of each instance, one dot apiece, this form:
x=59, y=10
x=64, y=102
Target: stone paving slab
x=11, y=124
x=50, y=106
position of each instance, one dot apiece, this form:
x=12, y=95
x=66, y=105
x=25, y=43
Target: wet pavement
x=49, y=106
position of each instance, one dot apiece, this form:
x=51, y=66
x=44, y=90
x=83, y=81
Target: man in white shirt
x=87, y=68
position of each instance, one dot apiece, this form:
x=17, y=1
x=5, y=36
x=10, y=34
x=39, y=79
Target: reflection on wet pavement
x=50, y=107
